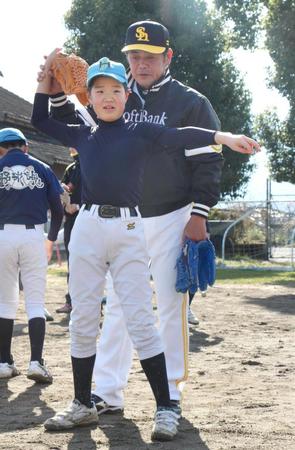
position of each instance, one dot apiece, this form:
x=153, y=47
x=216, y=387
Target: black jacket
x=72, y=174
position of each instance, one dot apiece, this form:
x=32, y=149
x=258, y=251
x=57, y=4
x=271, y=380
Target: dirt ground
x=240, y=392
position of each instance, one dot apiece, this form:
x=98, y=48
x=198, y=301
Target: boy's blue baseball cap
x=104, y=67
x=11, y=135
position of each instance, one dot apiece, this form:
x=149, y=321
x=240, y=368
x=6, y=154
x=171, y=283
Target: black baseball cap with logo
x=147, y=35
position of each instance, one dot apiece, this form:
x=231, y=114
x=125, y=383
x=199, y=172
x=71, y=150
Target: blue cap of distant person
x=12, y=135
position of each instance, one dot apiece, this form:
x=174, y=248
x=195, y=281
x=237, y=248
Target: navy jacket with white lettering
x=171, y=179
x=28, y=188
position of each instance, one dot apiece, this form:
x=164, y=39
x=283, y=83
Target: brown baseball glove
x=71, y=73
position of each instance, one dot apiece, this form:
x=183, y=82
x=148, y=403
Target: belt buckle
x=107, y=211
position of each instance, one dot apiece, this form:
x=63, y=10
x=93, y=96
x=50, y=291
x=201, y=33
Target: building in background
x=16, y=112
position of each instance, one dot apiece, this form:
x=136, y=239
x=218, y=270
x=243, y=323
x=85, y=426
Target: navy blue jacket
x=28, y=188
x=113, y=154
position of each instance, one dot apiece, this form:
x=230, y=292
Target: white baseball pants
x=114, y=352
x=22, y=250
x=118, y=244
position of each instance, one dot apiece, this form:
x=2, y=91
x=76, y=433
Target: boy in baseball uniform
x=108, y=233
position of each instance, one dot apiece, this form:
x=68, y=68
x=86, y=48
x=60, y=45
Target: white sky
x=254, y=66
x=29, y=30
x=32, y=28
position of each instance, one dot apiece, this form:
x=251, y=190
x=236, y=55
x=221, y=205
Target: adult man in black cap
x=180, y=187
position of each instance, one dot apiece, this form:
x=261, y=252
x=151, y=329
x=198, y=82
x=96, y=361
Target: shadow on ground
x=21, y=412
x=200, y=339
x=284, y=304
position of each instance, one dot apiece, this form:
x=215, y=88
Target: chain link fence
x=254, y=230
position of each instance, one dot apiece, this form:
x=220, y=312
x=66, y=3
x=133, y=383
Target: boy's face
x=147, y=68
x=108, y=98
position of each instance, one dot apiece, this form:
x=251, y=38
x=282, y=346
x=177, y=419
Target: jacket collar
x=132, y=84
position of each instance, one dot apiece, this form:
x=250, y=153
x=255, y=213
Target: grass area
x=252, y=276
x=232, y=276
x=250, y=263
x=59, y=271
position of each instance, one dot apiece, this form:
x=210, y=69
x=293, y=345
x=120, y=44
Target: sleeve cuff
x=215, y=148
x=58, y=100
x=200, y=210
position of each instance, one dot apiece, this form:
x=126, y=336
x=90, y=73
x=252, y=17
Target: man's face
x=108, y=98
x=147, y=68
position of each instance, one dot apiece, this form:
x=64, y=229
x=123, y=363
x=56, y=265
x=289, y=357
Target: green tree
x=244, y=19
x=280, y=41
x=98, y=28
x=280, y=149
x=276, y=19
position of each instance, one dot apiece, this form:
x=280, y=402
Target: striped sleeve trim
x=58, y=100
x=200, y=210
x=202, y=150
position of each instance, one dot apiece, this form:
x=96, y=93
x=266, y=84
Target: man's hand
x=196, y=229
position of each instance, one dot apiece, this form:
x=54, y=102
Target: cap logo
x=141, y=34
x=104, y=63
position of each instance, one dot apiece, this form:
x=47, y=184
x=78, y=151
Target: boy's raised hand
x=64, y=73
x=46, y=82
x=238, y=142
x=55, y=87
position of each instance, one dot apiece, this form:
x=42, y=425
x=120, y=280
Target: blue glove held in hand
x=182, y=271
x=195, y=266
x=206, y=264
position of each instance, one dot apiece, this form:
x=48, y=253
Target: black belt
x=109, y=211
x=28, y=227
